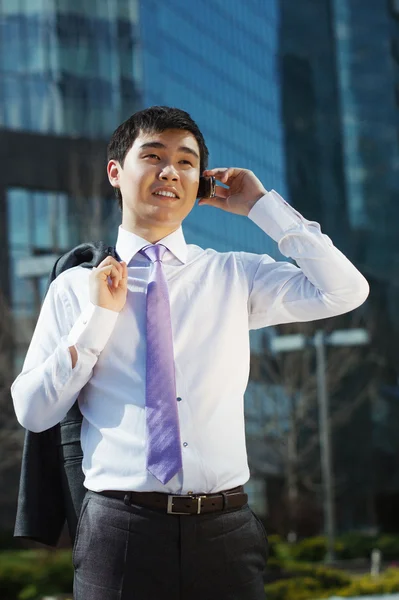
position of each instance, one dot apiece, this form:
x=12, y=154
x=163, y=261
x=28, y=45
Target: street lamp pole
x=325, y=445
x=290, y=343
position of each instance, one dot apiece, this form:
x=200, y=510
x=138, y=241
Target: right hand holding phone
x=108, y=284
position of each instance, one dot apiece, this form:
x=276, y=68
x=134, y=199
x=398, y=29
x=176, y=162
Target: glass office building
x=75, y=70
x=68, y=67
x=340, y=66
x=368, y=68
x=312, y=119
x=220, y=64
x=367, y=37
x=71, y=71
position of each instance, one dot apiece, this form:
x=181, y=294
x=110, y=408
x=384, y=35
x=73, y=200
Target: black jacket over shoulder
x=51, y=484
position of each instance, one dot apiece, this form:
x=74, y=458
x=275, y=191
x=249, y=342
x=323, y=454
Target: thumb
x=215, y=202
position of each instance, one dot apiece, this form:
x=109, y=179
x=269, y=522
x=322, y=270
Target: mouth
x=164, y=193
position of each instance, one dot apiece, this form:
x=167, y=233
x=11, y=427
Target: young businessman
x=156, y=346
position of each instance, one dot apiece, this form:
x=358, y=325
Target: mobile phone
x=207, y=187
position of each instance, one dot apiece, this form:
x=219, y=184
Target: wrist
x=251, y=203
x=74, y=355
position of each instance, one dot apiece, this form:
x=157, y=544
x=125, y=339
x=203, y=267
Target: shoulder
x=70, y=280
x=252, y=259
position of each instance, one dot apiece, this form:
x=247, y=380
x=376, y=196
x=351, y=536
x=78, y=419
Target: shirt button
x=185, y=444
x=84, y=322
x=178, y=399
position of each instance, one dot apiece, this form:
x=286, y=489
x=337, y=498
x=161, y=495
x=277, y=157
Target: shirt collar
x=129, y=244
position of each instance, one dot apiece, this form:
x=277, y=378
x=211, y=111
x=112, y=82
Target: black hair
x=154, y=119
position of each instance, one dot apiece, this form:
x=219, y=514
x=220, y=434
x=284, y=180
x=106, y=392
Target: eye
x=152, y=156
x=187, y=162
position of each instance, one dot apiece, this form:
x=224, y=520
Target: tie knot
x=154, y=252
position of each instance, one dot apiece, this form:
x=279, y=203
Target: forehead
x=170, y=138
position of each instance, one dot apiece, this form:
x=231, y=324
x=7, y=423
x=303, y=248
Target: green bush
x=303, y=582
x=389, y=546
x=312, y=549
x=387, y=583
x=31, y=574
x=280, y=549
x=326, y=577
x=321, y=582
x=274, y=543
x=300, y=588
x=349, y=546
x=274, y=564
x=356, y=545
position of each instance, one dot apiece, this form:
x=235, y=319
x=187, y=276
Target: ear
x=113, y=171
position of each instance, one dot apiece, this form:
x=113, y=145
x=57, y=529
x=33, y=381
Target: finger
x=123, y=280
x=222, y=192
x=123, y=273
x=110, y=260
x=223, y=174
x=110, y=271
x=216, y=202
x=217, y=173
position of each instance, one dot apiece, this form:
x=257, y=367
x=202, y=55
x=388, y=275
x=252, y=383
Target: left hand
x=243, y=192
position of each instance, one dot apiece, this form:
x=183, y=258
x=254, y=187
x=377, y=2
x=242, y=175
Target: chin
x=164, y=215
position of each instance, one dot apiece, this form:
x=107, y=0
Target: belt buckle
x=170, y=510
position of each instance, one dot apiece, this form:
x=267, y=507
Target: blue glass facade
x=368, y=67
x=68, y=67
x=340, y=68
x=367, y=37
x=78, y=69
x=220, y=64
x=73, y=69
x=312, y=119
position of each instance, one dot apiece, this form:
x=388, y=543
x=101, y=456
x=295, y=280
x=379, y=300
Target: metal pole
x=325, y=445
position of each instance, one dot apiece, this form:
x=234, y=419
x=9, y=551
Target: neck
x=148, y=232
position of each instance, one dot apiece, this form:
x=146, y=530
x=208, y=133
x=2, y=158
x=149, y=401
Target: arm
x=48, y=385
x=324, y=284
x=62, y=354
x=74, y=355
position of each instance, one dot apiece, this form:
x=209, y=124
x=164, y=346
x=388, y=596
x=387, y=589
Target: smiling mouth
x=165, y=194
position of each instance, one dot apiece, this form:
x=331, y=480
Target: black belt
x=195, y=504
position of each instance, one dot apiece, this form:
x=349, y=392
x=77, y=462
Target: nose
x=169, y=173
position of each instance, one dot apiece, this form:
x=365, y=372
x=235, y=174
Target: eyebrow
x=185, y=149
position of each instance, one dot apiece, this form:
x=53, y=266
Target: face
x=159, y=179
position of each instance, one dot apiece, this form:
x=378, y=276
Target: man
x=156, y=346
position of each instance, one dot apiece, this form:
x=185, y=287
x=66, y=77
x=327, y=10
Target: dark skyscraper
x=340, y=73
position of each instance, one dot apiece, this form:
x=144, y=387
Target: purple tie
x=164, y=457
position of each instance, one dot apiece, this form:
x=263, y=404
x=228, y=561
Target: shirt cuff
x=275, y=216
x=93, y=328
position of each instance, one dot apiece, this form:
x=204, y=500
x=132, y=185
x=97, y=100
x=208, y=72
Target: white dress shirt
x=216, y=298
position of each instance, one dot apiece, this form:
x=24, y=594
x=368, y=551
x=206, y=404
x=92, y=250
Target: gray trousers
x=127, y=552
